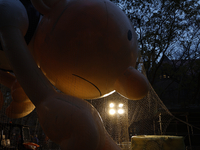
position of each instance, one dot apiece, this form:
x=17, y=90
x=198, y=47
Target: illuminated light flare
x=121, y=111
x=112, y=111
x=121, y=105
x=112, y=105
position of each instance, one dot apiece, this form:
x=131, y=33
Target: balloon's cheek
x=132, y=84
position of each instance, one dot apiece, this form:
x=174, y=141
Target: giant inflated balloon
x=71, y=122
x=88, y=49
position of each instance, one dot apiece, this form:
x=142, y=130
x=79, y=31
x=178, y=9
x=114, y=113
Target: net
x=122, y=118
x=148, y=116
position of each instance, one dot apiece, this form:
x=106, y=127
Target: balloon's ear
x=132, y=84
x=44, y=6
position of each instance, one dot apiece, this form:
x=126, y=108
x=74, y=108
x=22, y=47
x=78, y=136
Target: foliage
x=168, y=28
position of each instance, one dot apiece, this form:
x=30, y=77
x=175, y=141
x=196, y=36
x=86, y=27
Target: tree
x=167, y=28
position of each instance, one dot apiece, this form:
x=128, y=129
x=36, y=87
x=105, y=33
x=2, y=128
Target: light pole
x=117, y=109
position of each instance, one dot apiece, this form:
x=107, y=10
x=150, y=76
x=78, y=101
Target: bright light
x=121, y=111
x=112, y=111
x=109, y=93
x=112, y=105
x=121, y=105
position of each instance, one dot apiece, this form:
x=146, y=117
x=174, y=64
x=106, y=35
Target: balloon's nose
x=132, y=84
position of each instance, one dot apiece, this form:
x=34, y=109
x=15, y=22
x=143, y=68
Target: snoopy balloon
x=87, y=49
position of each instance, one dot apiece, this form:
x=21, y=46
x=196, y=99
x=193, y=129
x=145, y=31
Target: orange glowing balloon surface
x=21, y=104
x=85, y=47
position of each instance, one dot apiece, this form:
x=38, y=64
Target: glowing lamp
x=120, y=111
x=112, y=105
x=112, y=112
x=121, y=105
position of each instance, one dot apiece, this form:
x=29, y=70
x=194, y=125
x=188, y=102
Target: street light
x=117, y=111
x=112, y=105
x=114, y=109
x=121, y=105
x=120, y=111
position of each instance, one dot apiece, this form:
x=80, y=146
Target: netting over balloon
x=122, y=117
x=148, y=116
